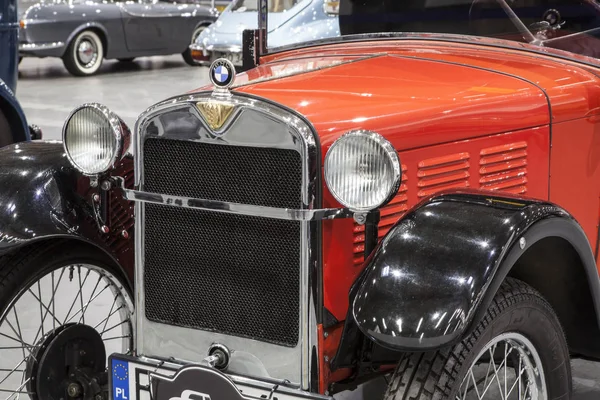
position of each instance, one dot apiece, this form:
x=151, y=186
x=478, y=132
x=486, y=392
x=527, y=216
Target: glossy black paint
x=42, y=197
x=441, y=264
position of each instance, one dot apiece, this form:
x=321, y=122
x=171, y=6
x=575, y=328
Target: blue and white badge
x=120, y=379
x=222, y=73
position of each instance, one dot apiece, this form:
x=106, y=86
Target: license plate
x=130, y=378
x=120, y=379
x=195, y=383
x=235, y=58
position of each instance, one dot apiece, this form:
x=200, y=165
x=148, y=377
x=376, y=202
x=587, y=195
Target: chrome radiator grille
x=231, y=274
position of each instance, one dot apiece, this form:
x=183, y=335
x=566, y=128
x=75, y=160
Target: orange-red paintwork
x=459, y=114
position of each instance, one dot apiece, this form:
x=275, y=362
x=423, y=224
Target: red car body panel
x=455, y=100
x=460, y=116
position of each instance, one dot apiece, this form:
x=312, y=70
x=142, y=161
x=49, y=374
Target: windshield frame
x=536, y=48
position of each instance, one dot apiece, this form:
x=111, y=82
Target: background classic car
x=84, y=32
x=290, y=22
x=379, y=203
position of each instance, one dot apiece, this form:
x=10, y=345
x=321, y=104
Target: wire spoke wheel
x=507, y=368
x=80, y=294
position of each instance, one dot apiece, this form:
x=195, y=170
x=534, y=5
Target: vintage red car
x=422, y=205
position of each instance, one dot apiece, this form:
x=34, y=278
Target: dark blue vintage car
x=13, y=124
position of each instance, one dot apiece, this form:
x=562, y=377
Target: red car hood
x=425, y=93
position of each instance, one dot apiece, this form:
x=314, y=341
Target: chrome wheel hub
x=508, y=368
x=80, y=295
x=87, y=53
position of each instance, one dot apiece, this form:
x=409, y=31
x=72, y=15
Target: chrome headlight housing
x=95, y=138
x=362, y=170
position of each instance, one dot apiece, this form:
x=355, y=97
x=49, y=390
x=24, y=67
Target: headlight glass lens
x=91, y=139
x=362, y=170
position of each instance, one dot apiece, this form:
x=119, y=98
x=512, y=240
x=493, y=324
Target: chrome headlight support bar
x=233, y=208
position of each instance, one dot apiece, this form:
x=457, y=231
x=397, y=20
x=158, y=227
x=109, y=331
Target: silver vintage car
x=290, y=21
x=84, y=32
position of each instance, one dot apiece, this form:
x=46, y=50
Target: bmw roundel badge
x=222, y=73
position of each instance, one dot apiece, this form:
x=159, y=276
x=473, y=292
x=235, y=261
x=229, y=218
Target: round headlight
x=94, y=138
x=362, y=170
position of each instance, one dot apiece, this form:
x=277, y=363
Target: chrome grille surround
x=255, y=123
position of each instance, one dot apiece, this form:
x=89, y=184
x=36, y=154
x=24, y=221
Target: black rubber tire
x=187, y=54
x=126, y=60
x=517, y=307
x=22, y=268
x=71, y=61
x=6, y=134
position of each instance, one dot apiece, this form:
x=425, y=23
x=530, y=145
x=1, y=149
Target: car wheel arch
x=15, y=121
x=404, y=270
x=202, y=24
x=95, y=27
x=90, y=247
x=558, y=263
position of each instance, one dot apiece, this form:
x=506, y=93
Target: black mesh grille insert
x=247, y=175
x=231, y=274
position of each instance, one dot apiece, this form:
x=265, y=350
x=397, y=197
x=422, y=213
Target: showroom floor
x=48, y=93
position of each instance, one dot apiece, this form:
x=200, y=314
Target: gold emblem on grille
x=215, y=113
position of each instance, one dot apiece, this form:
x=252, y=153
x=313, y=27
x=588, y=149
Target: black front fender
x=441, y=264
x=43, y=197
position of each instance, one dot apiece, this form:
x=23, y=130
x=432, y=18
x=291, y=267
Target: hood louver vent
x=441, y=173
x=504, y=168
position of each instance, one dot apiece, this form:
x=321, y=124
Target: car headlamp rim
x=121, y=135
x=390, y=152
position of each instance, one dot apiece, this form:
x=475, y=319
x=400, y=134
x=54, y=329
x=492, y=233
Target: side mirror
x=331, y=7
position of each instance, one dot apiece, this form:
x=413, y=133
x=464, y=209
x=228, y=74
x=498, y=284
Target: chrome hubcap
x=83, y=294
x=87, y=53
x=508, y=368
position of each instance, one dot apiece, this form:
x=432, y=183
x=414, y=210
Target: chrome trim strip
x=40, y=46
x=236, y=208
x=293, y=72
x=258, y=123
